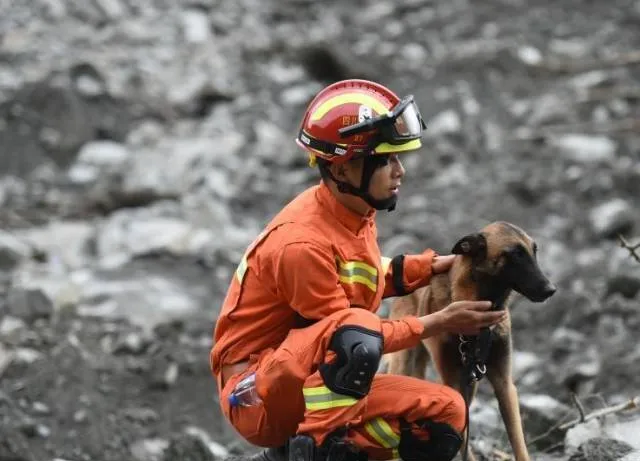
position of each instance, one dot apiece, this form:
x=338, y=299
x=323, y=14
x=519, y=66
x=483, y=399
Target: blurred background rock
x=144, y=143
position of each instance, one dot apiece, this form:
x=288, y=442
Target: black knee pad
x=443, y=444
x=358, y=351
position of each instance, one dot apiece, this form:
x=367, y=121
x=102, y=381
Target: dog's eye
x=518, y=251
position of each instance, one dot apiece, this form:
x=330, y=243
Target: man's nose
x=399, y=168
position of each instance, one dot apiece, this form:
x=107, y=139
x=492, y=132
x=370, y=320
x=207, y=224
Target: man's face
x=386, y=179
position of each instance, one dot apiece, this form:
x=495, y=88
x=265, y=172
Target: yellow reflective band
x=360, y=279
x=385, y=263
x=357, y=98
x=386, y=148
x=358, y=272
x=242, y=269
x=351, y=265
x=322, y=398
x=380, y=430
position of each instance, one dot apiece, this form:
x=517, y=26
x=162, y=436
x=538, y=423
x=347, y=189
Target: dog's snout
x=549, y=290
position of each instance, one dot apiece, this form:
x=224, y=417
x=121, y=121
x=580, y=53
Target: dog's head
x=504, y=253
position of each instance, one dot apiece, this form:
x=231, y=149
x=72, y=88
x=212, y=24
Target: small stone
x=40, y=408
x=27, y=356
x=611, y=218
x=164, y=374
x=132, y=343
x=80, y=416
x=10, y=325
x=530, y=55
x=195, y=25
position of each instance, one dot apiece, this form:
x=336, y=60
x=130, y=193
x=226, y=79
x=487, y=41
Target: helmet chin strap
x=371, y=164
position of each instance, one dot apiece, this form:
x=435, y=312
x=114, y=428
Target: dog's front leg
x=507, y=395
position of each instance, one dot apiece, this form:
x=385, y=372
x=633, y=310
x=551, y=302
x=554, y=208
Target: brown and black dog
x=492, y=264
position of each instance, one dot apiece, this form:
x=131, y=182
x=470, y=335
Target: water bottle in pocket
x=245, y=393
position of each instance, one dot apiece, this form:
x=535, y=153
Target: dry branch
x=628, y=405
x=632, y=248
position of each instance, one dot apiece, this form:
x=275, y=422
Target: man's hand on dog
x=461, y=317
x=442, y=264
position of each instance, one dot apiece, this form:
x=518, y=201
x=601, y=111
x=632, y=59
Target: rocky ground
x=143, y=145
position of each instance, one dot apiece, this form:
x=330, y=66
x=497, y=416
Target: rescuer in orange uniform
x=300, y=310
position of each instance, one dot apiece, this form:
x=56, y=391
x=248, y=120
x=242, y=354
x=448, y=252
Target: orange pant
x=295, y=399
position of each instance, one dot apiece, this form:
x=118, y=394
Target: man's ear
x=474, y=245
x=339, y=171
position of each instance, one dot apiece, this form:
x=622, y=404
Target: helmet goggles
x=402, y=124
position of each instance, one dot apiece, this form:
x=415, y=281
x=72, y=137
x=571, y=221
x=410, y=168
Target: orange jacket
x=314, y=258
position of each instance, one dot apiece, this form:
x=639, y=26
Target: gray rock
x=11, y=327
x=585, y=149
x=601, y=449
x=216, y=449
x=65, y=242
x=529, y=55
x=26, y=356
x=447, y=122
x=625, y=284
x=141, y=415
x=130, y=233
x=632, y=456
x=553, y=108
x=88, y=81
x=163, y=373
x=195, y=26
x=149, y=449
x=626, y=431
x=180, y=163
x=96, y=159
x=12, y=251
x=145, y=301
x=524, y=362
x=581, y=433
x=134, y=343
x=29, y=304
x=541, y=412
x=612, y=217
x=188, y=448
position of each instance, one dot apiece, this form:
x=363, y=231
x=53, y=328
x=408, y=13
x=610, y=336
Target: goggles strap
x=322, y=146
x=369, y=167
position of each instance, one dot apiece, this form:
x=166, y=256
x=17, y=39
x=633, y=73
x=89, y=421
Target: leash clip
x=481, y=369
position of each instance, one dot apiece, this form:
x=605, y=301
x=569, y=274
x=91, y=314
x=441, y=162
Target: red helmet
x=355, y=118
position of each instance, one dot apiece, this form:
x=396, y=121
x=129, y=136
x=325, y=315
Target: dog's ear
x=474, y=245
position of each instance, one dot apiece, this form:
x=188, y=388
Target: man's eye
x=379, y=160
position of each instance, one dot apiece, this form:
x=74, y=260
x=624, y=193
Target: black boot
x=302, y=448
x=271, y=454
x=334, y=448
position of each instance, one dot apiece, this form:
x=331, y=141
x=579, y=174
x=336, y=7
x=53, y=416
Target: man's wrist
x=433, y=324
